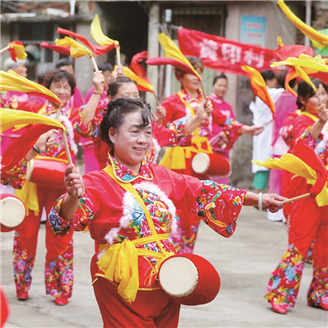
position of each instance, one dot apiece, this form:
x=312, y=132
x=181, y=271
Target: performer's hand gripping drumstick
x=74, y=184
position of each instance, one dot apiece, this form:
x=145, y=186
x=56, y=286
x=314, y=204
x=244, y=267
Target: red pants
x=150, y=309
x=59, y=249
x=308, y=222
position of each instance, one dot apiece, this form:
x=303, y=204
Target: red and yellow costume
x=308, y=222
x=133, y=240
x=59, y=257
x=179, y=159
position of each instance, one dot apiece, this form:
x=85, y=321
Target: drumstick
x=68, y=153
x=118, y=57
x=267, y=123
x=94, y=63
x=156, y=98
x=295, y=198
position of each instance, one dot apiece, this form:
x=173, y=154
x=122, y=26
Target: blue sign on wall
x=253, y=30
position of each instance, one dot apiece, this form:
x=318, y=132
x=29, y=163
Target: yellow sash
x=29, y=196
x=120, y=261
x=175, y=157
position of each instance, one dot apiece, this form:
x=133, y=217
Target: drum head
x=200, y=163
x=12, y=212
x=178, y=276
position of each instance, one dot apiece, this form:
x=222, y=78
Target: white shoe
x=278, y=216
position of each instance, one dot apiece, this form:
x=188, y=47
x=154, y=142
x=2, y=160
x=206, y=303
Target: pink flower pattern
x=59, y=274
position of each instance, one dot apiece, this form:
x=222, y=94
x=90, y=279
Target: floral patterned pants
x=308, y=222
x=59, y=257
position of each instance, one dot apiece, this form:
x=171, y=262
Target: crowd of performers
x=172, y=197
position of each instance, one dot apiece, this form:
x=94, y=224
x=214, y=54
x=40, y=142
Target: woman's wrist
x=36, y=149
x=100, y=93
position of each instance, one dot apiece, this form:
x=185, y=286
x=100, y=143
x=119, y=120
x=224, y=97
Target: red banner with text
x=222, y=54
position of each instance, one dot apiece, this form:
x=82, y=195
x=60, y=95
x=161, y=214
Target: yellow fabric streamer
x=140, y=81
x=172, y=51
x=316, y=63
x=98, y=35
x=29, y=196
x=10, y=118
x=296, y=166
x=120, y=261
x=12, y=81
x=310, y=32
x=77, y=49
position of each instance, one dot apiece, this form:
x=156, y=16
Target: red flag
x=308, y=156
x=282, y=53
x=22, y=145
x=97, y=50
x=135, y=65
x=173, y=56
x=59, y=49
x=222, y=54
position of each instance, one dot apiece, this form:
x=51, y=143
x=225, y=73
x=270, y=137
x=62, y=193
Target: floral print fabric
x=59, y=274
x=15, y=176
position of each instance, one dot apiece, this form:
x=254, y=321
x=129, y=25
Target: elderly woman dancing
x=129, y=208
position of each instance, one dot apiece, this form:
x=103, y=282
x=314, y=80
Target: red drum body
x=12, y=212
x=189, y=279
x=47, y=171
x=213, y=165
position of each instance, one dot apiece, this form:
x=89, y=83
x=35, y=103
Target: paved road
x=244, y=262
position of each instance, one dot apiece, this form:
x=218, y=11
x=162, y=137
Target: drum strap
x=175, y=157
x=120, y=261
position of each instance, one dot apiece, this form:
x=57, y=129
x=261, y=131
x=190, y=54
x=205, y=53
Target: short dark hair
x=221, y=76
x=64, y=62
x=194, y=61
x=268, y=75
x=57, y=75
x=105, y=67
x=305, y=91
x=115, y=115
x=115, y=85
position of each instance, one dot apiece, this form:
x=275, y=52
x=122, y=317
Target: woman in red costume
x=59, y=257
x=177, y=133
x=222, y=140
x=308, y=221
x=136, y=225
x=186, y=103
x=14, y=174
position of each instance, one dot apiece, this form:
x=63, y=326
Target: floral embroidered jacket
x=113, y=215
x=68, y=117
x=301, y=126
x=15, y=176
x=175, y=106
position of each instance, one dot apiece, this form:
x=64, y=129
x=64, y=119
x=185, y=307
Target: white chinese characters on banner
x=231, y=52
x=250, y=58
x=208, y=49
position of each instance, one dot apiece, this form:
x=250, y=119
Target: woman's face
x=62, y=90
x=220, y=87
x=131, y=141
x=21, y=70
x=190, y=82
x=312, y=104
x=127, y=90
